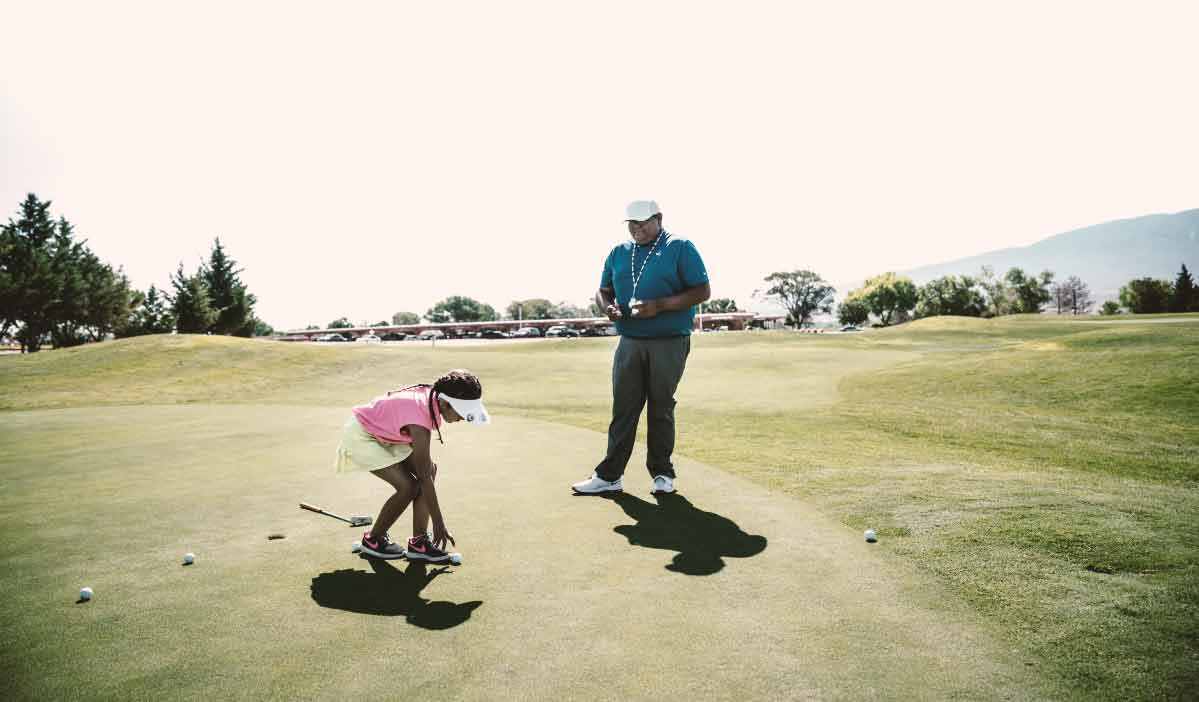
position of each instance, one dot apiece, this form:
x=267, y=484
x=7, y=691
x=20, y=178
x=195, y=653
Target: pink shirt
x=386, y=417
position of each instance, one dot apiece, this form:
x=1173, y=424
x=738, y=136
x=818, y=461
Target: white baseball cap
x=641, y=210
x=472, y=411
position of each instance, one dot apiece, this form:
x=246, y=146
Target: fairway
x=1022, y=553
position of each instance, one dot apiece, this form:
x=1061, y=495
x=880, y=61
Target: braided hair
x=458, y=383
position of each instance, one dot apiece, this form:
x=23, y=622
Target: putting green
x=727, y=591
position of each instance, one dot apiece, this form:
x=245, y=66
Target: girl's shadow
x=390, y=592
x=702, y=539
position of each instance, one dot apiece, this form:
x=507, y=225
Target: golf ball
x=85, y=593
x=871, y=537
x=456, y=558
x=189, y=558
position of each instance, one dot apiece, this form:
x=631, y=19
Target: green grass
x=1046, y=470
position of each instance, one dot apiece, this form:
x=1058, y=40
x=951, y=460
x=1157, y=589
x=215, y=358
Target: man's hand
x=644, y=309
x=613, y=312
x=441, y=534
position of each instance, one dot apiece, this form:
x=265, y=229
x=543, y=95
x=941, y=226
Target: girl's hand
x=441, y=534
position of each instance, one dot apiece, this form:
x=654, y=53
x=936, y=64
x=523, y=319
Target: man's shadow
x=703, y=539
x=390, y=592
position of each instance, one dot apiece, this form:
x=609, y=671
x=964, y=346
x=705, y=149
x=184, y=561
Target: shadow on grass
x=703, y=539
x=390, y=592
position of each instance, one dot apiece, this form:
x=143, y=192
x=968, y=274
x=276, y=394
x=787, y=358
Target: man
x=649, y=288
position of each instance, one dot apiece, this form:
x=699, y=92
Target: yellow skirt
x=359, y=451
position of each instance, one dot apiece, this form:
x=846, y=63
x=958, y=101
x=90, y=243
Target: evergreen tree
x=1184, y=298
x=189, y=304
x=53, y=287
x=227, y=295
x=151, y=315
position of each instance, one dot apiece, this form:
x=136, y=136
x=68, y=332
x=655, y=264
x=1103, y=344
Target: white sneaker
x=596, y=486
x=662, y=485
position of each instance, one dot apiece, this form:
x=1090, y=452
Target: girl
x=390, y=437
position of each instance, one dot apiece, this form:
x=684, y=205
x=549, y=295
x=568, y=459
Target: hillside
x=1105, y=256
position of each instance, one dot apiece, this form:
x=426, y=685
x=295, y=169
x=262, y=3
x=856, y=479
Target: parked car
x=850, y=328
x=562, y=330
x=494, y=334
x=526, y=332
x=597, y=331
x=331, y=337
x=369, y=339
x=431, y=334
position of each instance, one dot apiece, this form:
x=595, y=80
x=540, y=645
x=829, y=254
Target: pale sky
x=364, y=158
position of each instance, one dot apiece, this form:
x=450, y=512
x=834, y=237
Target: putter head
x=360, y=521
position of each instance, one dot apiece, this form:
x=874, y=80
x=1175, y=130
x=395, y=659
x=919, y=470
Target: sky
x=361, y=159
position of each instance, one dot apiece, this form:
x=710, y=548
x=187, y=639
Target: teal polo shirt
x=674, y=266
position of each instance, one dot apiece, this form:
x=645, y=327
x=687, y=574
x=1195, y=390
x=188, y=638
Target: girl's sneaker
x=420, y=548
x=381, y=547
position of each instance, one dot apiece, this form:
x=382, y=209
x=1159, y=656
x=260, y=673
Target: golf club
x=352, y=521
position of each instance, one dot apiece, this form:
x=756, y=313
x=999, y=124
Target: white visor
x=472, y=411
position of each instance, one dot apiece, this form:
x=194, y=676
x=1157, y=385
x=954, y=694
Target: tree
x=1146, y=295
x=802, y=293
x=150, y=315
x=340, y=323
x=951, y=295
x=537, y=308
x=565, y=310
x=720, y=305
x=189, y=304
x=886, y=295
x=261, y=328
x=227, y=295
x=1059, y=294
x=458, y=308
x=1109, y=308
x=1184, y=298
x=853, y=311
x=1029, y=293
x=405, y=318
x=999, y=295
x=1076, y=296
x=53, y=287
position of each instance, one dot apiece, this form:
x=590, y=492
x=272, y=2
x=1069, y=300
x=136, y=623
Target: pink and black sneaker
x=420, y=548
x=381, y=547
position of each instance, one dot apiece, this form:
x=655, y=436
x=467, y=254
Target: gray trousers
x=644, y=370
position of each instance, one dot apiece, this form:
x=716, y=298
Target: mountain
x=1105, y=256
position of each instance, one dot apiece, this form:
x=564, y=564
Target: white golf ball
x=356, y=547
x=189, y=558
x=85, y=593
x=871, y=537
x=456, y=558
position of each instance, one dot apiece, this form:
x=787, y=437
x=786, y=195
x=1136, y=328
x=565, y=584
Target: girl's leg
x=405, y=488
x=420, y=515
